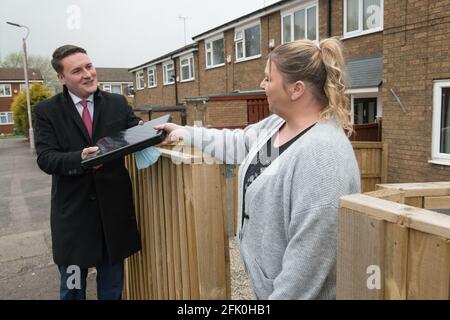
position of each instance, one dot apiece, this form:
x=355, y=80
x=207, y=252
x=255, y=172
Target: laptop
x=127, y=141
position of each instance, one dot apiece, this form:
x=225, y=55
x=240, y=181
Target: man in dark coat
x=93, y=221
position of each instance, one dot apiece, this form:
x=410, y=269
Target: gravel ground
x=240, y=285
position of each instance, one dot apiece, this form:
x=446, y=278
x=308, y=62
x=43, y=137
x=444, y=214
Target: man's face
x=78, y=75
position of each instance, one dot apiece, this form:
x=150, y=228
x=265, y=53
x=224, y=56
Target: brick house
x=162, y=83
x=397, y=60
x=12, y=81
x=230, y=61
x=116, y=80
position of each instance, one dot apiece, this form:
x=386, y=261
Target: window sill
x=6, y=124
x=152, y=87
x=360, y=34
x=169, y=84
x=442, y=162
x=214, y=67
x=248, y=59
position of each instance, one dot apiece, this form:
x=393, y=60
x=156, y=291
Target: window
x=5, y=90
x=107, y=87
x=215, y=53
x=6, y=118
x=112, y=88
x=441, y=121
x=187, y=68
x=140, y=79
x=168, y=73
x=300, y=23
x=23, y=86
x=248, y=42
x=152, y=77
x=365, y=110
x=362, y=16
x=116, y=88
x=130, y=90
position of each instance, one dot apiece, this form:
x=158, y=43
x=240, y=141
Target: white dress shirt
x=76, y=101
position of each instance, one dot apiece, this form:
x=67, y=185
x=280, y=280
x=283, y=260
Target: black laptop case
x=127, y=141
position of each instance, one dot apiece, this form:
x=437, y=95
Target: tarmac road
x=27, y=270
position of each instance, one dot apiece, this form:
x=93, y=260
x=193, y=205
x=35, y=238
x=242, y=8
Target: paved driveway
x=27, y=270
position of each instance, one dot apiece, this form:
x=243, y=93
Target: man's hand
x=87, y=151
x=141, y=123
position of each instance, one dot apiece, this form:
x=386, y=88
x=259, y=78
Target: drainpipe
x=175, y=75
x=329, y=18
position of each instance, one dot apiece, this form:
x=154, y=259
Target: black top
x=263, y=159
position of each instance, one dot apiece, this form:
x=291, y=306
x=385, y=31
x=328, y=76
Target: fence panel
x=372, y=160
x=182, y=218
x=412, y=244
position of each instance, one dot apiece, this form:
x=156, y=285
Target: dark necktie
x=86, y=117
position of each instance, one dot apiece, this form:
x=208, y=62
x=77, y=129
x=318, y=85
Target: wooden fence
x=182, y=216
x=183, y=212
x=367, y=132
x=257, y=109
x=372, y=160
x=389, y=249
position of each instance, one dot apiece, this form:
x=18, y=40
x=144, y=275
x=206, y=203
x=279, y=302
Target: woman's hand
x=174, y=132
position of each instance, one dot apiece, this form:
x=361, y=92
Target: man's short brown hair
x=61, y=53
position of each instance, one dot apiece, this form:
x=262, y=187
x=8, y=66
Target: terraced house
x=398, y=64
x=116, y=80
x=12, y=82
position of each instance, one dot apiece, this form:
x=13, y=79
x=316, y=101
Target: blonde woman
x=294, y=167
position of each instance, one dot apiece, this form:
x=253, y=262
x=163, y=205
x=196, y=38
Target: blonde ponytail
x=335, y=83
x=323, y=66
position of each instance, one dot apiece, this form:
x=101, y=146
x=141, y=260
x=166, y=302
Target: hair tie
x=318, y=46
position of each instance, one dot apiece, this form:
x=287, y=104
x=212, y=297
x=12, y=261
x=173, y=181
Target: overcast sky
x=116, y=33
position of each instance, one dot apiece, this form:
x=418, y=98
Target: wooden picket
x=372, y=159
x=182, y=218
x=183, y=212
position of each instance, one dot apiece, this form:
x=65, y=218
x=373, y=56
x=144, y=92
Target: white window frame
x=155, y=81
x=365, y=93
x=131, y=91
x=436, y=156
x=165, y=73
x=360, y=31
x=139, y=75
x=117, y=84
x=242, y=29
x=211, y=40
x=6, y=85
x=106, y=87
x=5, y=114
x=291, y=13
x=190, y=65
